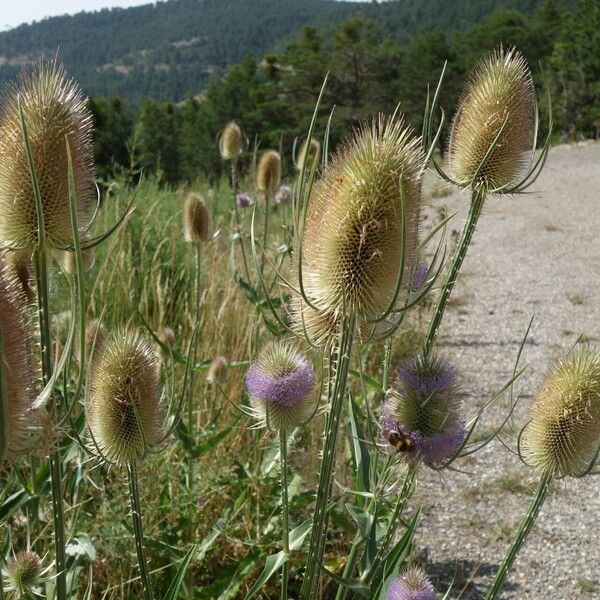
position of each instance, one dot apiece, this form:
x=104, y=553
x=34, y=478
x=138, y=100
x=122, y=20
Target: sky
x=15, y=12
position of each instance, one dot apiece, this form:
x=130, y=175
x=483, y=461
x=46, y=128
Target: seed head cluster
x=498, y=102
x=123, y=405
x=281, y=383
x=353, y=237
x=54, y=109
x=564, y=432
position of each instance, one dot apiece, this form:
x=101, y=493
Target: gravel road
x=533, y=255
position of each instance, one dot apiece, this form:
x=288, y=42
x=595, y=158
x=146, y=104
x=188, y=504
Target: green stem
x=387, y=362
x=136, y=514
x=234, y=185
x=318, y=534
x=41, y=274
x=477, y=202
x=285, y=514
x=522, y=534
x=265, y=232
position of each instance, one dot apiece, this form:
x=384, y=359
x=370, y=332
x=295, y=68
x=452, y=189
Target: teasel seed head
x=196, y=219
x=19, y=263
x=498, y=102
x=413, y=584
x=96, y=335
x=281, y=384
x=353, y=238
x=311, y=151
x=563, y=434
x=268, y=173
x=54, y=109
x=123, y=405
x=20, y=370
x=231, y=144
x=217, y=371
x=24, y=572
x=421, y=416
x=69, y=261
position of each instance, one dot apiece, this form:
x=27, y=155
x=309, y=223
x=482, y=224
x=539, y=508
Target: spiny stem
x=318, y=534
x=265, y=232
x=136, y=514
x=41, y=274
x=387, y=362
x=285, y=513
x=522, y=534
x=461, y=251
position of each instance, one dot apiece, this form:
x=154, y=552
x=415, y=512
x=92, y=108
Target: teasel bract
x=281, y=385
x=491, y=148
x=561, y=438
x=54, y=111
x=126, y=416
x=357, y=235
x=21, y=422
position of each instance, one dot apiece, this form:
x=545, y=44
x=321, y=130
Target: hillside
x=169, y=50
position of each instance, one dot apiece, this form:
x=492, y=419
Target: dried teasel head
x=309, y=151
x=354, y=238
x=492, y=135
x=217, y=371
x=124, y=410
x=54, y=110
x=24, y=422
x=412, y=584
x=281, y=385
x=231, y=144
x=69, y=261
x=268, y=172
x=563, y=434
x=196, y=219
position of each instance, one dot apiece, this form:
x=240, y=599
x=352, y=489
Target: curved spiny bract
x=492, y=135
x=268, y=172
x=24, y=422
x=353, y=239
x=196, y=218
x=54, y=110
x=123, y=405
x=563, y=435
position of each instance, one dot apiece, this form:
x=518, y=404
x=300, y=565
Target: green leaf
x=213, y=441
x=81, y=546
x=248, y=290
x=352, y=584
x=360, y=452
x=363, y=519
x=173, y=590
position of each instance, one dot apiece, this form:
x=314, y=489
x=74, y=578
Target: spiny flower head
x=281, y=383
x=24, y=572
x=353, y=237
x=413, y=584
x=421, y=412
x=24, y=421
x=54, y=109
x=498, y=102
x=311, y=151
x=196, y=219
x=231, y=143
x=217, y=371
x=564, y=432
x=123, y=405
x=284, y=195
x=268, y=173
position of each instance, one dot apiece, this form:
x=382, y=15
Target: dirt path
x=533, y=255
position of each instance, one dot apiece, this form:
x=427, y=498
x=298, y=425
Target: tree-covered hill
x=169, y=50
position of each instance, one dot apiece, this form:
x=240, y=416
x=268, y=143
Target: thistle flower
x=20, y=374
x=24, y=572
x=196, y=219
x=123, y=405
x=69, y=261
x=280, y=384
x=497, y=108
x=421, y=416
x=311, y=151
x=353, y=237
x=284, y=195
x=54, y=108
x=413, y=584
x=217, y=371
x=231, y=143
x=564, y=432
x=268, y=173
x=243, y=200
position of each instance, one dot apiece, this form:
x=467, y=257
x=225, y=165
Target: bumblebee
x=402, y=442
